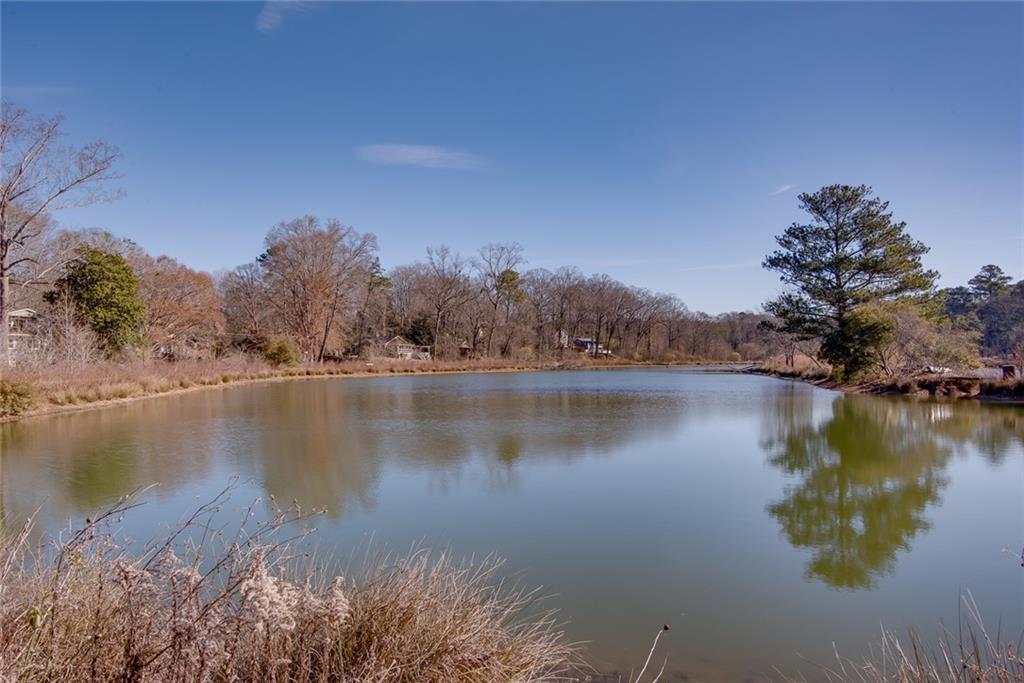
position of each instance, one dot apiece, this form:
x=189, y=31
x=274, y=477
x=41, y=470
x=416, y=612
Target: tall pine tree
x=851, y=253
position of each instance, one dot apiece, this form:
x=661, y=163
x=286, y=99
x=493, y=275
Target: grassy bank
x=44, y=390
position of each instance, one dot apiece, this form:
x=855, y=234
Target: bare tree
x=314, y=274
x=446, y=287
x=407, y=301
x=245, y=299
x=371, y=318
x=65, y=340
x=183, y=307
x=40, y=176
x=497, y=266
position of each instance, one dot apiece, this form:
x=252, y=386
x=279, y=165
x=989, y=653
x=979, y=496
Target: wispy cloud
x=427, y=156
x=38, y=90
x=273, y=13
x=782, y=188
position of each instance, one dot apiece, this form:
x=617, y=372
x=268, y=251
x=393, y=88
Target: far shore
x=941, y=387
x=104, y=393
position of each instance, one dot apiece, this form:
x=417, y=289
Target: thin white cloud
x=782, y=188
x=273, y=13
x=426, y=156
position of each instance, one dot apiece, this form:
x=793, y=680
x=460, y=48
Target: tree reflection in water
x=868, y=472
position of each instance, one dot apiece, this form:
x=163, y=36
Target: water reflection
x=638, y=497
x=69, y=466
x=868, y=472
x=321, y=443
x=325, y=445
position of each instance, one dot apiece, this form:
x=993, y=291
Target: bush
x=15, y=398
x=279, y=352
x=255, y=610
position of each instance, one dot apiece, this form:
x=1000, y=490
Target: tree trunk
x=490, y=329
x=327, y=328
x=5, y=347
x=437, y=333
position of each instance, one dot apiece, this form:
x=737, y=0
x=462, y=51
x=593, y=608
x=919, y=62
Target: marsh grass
x=202, y=604
x=15, y=397
x=970, y=655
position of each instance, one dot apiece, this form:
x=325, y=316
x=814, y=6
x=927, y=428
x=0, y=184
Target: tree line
x=858, y=297
x=318, y=288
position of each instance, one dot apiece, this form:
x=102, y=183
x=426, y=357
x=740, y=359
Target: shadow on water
x=867, y=473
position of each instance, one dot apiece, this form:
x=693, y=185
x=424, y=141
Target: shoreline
x=989, y=393
x=938, y=387
x=292, y=374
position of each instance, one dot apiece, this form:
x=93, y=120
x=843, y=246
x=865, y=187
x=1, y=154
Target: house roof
x=22, y=313
x=397, y=339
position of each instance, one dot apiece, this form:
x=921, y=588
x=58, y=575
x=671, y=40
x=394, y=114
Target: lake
x=761, y=518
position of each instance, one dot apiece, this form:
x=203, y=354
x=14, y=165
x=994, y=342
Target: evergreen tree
x=851, y=253
x=991, y=281
x=104, y=291
x=1000, y=315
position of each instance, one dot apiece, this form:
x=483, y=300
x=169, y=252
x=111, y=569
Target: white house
x=21, y=330
x=400, y=347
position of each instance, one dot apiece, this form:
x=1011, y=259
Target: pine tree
x=851, y=253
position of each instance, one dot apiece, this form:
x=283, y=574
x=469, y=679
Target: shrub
x=280, y=352
x=254, y=610
x=15, y=398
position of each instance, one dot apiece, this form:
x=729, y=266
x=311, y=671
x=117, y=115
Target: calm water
x=758, y=517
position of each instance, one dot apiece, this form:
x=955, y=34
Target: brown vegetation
x=801, y=367
x=918, y=384
x=970, y=656
x=47, y=389
x=204, y=604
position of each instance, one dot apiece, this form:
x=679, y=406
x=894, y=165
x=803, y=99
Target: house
x=21, y=330
x=590, y=346
x=400, y=347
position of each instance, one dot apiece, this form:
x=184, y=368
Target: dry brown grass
x=970, y=656
x=803, y=367
x=205, y=605
x=58, y=386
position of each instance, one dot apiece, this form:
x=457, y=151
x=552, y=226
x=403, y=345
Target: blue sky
x=663, y=144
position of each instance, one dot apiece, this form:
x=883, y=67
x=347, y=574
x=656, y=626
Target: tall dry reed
x=202, y=604
x=970, y=655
